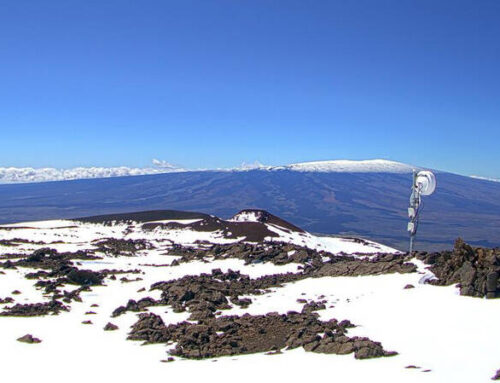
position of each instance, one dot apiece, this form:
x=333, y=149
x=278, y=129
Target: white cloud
x=252, y=166
x=20, y=175
x=164, y=164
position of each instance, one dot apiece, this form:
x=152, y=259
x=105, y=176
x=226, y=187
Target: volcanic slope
x=362, y=198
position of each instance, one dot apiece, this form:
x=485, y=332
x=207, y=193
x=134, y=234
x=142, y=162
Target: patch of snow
x=348, y=166
x=75, y=235
x=181, y=221
x=431, y=327
x=485, y=178
x=333, y=245
x=246, y=216
x=50, y=224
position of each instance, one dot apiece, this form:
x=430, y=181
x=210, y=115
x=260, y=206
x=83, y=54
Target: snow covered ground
x=77, y=235
x=456, y=338
x=342, y=166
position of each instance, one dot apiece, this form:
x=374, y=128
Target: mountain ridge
x=10, y=175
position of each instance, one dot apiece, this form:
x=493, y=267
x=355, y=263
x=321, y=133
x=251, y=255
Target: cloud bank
x=23, y=175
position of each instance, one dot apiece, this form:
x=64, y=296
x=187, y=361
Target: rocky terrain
x=195, y=287
x=475, y=270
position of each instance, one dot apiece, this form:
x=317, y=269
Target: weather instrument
x=424, y=183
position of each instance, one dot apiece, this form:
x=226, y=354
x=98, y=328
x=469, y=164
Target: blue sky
x=217, y=83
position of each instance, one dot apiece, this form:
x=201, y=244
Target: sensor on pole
x=424, y=183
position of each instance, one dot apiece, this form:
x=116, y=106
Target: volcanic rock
x=28, y=338
x=110, y=327
x=475, y=270
x=234, y=335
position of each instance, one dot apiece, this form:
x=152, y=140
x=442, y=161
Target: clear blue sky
x=215, y=83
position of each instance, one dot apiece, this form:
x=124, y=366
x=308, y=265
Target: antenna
x=424, y=183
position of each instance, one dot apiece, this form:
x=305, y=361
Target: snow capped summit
x=349, y=166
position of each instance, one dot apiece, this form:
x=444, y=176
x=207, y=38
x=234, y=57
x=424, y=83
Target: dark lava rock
x=168, y=360
x=84, y=277
x=49, y=259
x=380, y=264
x=242, y=302
x=234, y=335
x=313, y=306
x=40, y=254
x=28, y=338
x=34, y=309
x=277, y=253
x=8, y=264
x=110, y=327
x=496, y=376
x=87, y=322
x=126, y=280
x=205, y=294
x=409, y=286
x=122, y=247
x=135, y=306
x=475, y=270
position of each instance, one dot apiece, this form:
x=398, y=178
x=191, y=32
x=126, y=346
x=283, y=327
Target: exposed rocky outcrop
x=380, y=264
x=110, y=327
x=204, y=294
x=28, y=338
x=48, y=259
x=312, y=306
x=476, y=270
x=34, y=309
x=125, y=247
x=312, y=261
x=234, y=335
x=496, y=376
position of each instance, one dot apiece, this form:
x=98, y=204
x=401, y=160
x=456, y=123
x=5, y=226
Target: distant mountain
x=366, y=198
x=27, y=175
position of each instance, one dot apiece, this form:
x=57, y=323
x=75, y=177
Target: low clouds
x=164, y=164
x=23, y=175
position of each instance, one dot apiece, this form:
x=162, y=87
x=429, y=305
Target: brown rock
x=110, y=327
x=28, y=338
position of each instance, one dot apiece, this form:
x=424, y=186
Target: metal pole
x=414, y=202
